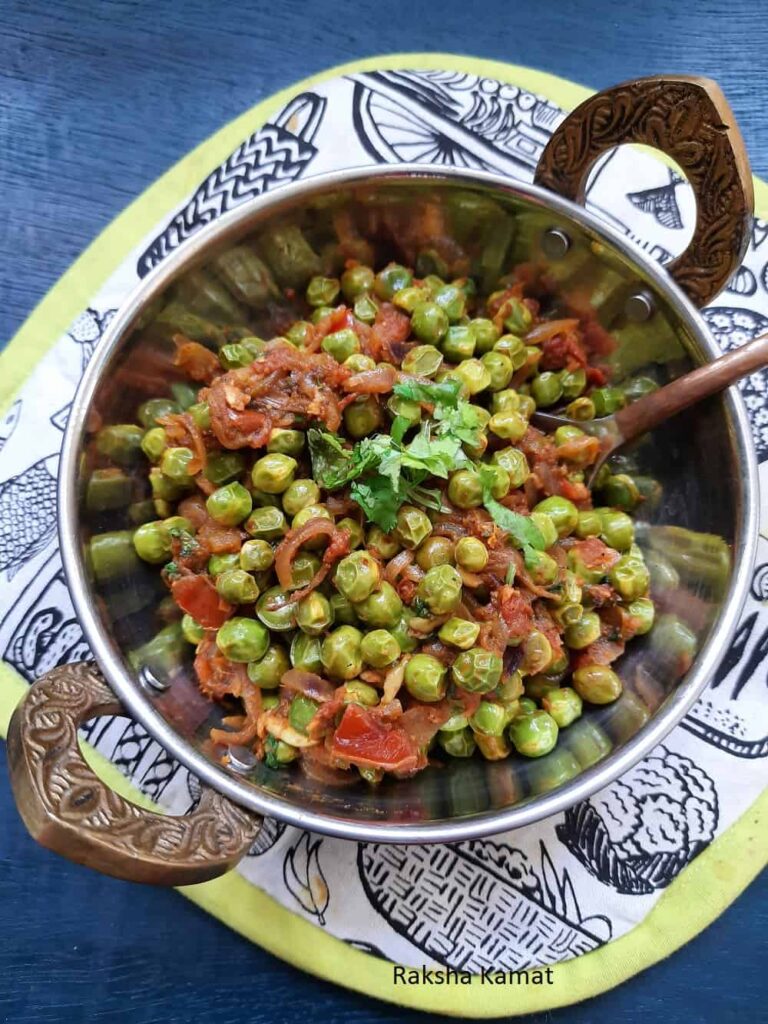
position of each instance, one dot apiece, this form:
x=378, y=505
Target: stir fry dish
x=379, y=561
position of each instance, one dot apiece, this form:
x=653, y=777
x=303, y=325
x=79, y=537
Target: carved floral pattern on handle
x=687, y=118
x=69, y=809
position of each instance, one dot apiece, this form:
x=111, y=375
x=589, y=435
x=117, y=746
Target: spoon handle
x=653, y=409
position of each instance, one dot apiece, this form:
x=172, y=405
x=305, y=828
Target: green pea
x=509, y=425
x=314, y=614
x=425, y=678
x=241, y=639
x=152, y=542
x=299, y=494
x=256, y=556
x=493, y=748
x=490, y=718
x=434, y=551
x=618, y=530
x=385, y=544
x=153, y=443
x=630, y=578
x=266, y=523
x=412, y=526
x=620, y=491
x=405, y=409
x=218, y=564
x=223, y=467
x=300, y=333
x=562, y=512
x=459, y=633
x=546, y=388
x=120, y=442
x=581, y=409
x=321, y=313
x=514, y=349
x=440, y=589
x=365, y=309
x=354, y=529
x=285, y=442
x=597, y=684
x=517, y=316
x=451, y=300
x=429, y=322
x=379, y=648
x=500, y=368
x=546, y=528
x=201, y=414
x=273, y=473
x=382, y=610
x=341, y=344
x=584, y=632
x=301, y=712
x=515, y=463
x=537, y=653
x=192, y=631
x=486, y=334
x=533, y=735
x=303, y=569
x=408, y=299
x=357, y=575
x=174, y=464
x=471, y=554
x=564, y=705
x=638, y=387
x=455, y=723
x=542, y=568
x=643, y=612
x=233, y=355
x=343, y=610
x=458, y=343
x=340, y=652
x=458, y=744
x=423, y=360
x=392, y=279
x=278, y=753
x=510, y=690
x=407, y=642
x=589, y=524
x=276, y=610
x=506, y=400
x=477, y=670
x=268, y=670
x=465, y=489
x=358, y=692
x=230, y=504
x=237, y=586
x=474, y=375
x=305, y=652
x=357, y=281
x=154, y=409
x=429, y=263
x=607, y=400
x=363, y=416
x=306, y=515
x=323, y=291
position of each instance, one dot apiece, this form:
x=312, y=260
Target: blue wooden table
x=96, y=100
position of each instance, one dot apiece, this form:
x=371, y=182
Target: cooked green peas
x=620, y=491
x=581, y=409
x=353, y=528
x=533, y=735
x=459, y=633
x=285, y=442
x=344, y=613
x=303, y=568
x=234, y=355
x=542, y=568
x=270, y=668
x=597, y=684
x=154, y=409
x=340, y=653
x=323, y=291
x=357, y=281
x=429, y=322
x=121, y=443
x=511, y=688
x=273, y=473
x=341, y=344
x=506, y=400
x=607, y=400
x=477, y=670
x=174, y=464
x=493, y=748
x=514, y=348
x=434, y=551
x=152, y=542
x=365, y=309
x=486, y=334
x=537, y=653
x=460, y=743
x=153, y=443
x=382, y=610
x=408, y=299
x=305, y=652
x=473, y=374
x=489, y=719
x=358, y=363
x=562, y=512
x=412, y=526
x=192, y=631
x=630, y=578
x=305, y=515
x=405, y=639
x=423, y=361
x=471, y=554
x=241, y=639
x=517, y=316
x=574, y=382
x=563, y=704
x=230, y=504
x=546, y=388
x=357, y=575
x=589, y=524
x=584, y=632
x=363, y=416
x=301, y=712
x=509, y=425
x=276, y=610
x=497, y=479
x=406, y=410
x=643, y=612
x=314, y=614
x=440, y=589
x=452, y=300
x=237, y=586
x=278, y=753
x=458, y=343
x=358, y=692
x=266, y=523
x=379, y=648
x=218, y=564
x=546, y=528
x=222, y=467
x=500, y=368
x=299, y=333
x=299, y=494
x=112, y=555
x=201, y=414
x=425, y=678
x=465, y=489
x=515, y=463
x=392, y=279
x=256, y=556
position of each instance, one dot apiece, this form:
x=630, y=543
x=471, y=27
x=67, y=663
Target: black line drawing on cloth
x=640, y=832
x=278, y=153
x=40, y=631
x=742, y=283
x=88, y=329
x=271, y=831
x=10, y=420
x=759, y=232
x=27, y=514
x=760, y=582
x=304, y=878
x=451, y=118
x=60, y=418
x=733, y=327
x=479, y=905
x=660, y=202
x=369, y=948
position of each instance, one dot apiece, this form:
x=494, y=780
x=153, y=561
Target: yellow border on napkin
x=696, y=897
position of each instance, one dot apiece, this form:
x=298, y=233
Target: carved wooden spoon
x=649, y=411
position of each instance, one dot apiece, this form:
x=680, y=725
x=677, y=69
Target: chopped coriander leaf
x=444, y=392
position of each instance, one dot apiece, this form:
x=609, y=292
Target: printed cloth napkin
x=536, y=896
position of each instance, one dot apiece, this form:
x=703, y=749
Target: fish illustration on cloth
x=27, y=514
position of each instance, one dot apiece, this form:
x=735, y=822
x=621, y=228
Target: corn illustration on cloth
x=596, y=893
